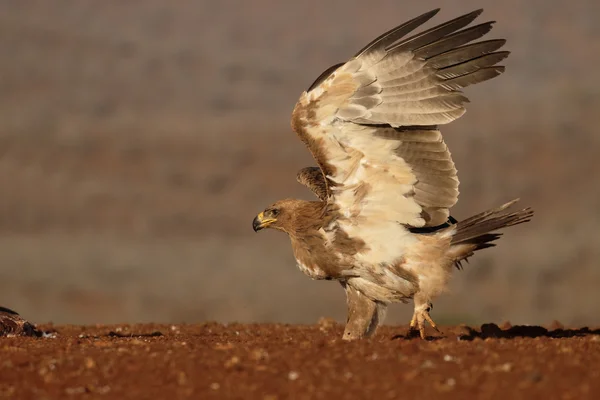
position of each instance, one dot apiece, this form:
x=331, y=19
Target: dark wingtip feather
x=433, y=34
x=398, y=32
x=465, y=53
x=453, y=41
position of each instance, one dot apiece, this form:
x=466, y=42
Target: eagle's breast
x=315, y=257
x=311, y=269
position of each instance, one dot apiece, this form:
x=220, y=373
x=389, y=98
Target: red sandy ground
x=301, y=362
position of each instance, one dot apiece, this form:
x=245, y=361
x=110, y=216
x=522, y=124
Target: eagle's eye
x=274, y=212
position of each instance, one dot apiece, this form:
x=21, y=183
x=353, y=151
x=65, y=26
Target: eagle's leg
x=364, y=314
x=421, y=314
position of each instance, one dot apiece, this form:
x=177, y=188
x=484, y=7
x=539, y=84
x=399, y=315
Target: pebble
x=89, y=363
x=221, y=346
x=232, y=362
x=326, y=323
x=506, y=367
x=74, y=390
x=506, y=325
x=181, y=378
x=259, y=354
x=293, y=375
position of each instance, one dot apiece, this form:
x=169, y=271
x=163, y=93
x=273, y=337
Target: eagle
x=385, y=179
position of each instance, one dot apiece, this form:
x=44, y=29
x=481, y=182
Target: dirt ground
x=275, y=361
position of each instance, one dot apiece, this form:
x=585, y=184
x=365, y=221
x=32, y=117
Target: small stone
x=326, y=323
x=448, y=358
x=506, y=367
x=221, y=346
x=75, y=390
x=293, y=375
x=232, y=362
x=181, y=378
x=259, y=354
x=89, y=363
x=451, y=382
x=566, y=349
x=506, y=325
x=374, y=357
x=427, y=364
x=215, y=386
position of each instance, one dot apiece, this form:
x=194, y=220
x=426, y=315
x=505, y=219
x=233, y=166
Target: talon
x=413, y=322
x=428, y=319
x=418, y=320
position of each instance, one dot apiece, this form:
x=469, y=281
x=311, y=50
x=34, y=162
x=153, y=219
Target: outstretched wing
x=371, y=124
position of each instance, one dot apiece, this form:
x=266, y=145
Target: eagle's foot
x=421, y=315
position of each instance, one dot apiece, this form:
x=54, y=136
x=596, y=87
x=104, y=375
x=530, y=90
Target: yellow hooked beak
x=260, y=222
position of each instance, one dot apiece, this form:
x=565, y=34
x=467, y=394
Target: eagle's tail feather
x=475, y=233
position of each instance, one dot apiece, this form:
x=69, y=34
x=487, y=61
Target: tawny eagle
x=385, y=178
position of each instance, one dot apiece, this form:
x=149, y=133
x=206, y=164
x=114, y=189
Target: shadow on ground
x=525, y=331
x=491, y=330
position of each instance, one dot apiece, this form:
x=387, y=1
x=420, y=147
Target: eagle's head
x=289, y=215
x=276, y=216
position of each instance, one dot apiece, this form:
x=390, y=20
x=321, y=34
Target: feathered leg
x=364, y=314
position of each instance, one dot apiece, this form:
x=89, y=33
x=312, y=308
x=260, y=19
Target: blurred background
x=139, y=139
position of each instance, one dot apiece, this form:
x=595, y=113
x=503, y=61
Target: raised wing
x=371, y=123
x=313, y=178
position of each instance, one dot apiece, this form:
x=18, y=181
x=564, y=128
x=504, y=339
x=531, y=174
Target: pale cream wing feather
x=371, y=124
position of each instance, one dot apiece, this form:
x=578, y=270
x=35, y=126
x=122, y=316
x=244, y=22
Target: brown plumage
x=385, y=179
x=11, y=324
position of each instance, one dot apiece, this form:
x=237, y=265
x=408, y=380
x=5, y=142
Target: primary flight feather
x=385, y=178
